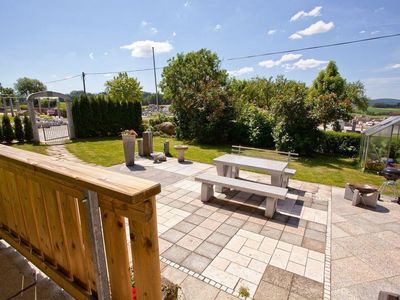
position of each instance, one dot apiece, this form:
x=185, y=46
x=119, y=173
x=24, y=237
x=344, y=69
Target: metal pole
x=84, y=83
x=155, y=76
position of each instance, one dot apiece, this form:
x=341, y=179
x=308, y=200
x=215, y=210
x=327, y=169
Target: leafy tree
x=25, y=86
x=197, y=87
x=7, y=129
x=77, y=94
x=1, y=134
x=355, y=92
x=19, y=131
x=28, y=133
x=124, y=88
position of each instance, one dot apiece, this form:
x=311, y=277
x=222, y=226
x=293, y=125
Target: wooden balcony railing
x=69, y=220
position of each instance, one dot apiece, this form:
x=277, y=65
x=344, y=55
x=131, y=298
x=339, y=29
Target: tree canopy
x=124, y=88
x=25, y=86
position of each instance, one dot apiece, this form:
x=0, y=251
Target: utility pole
x=84, y=83
x=155, y=76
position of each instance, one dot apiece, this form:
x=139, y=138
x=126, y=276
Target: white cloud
x=395, y=66
x=108, y=75
x=317, y=27
x=145, y=23
x=241, y=71
x=153, y=30
x=315, y=12
x=285, y=58
x=174, y=33
x=143, y=48
x=91, y=55
x=295, y=36
x=375, y=32
x=218, y=27
x=271, y=31
x=105, y=53
x=362, y=31
x=186, y=4
x=311, y=63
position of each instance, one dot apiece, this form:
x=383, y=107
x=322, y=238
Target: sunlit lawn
x=330, y=170
x=32, y=147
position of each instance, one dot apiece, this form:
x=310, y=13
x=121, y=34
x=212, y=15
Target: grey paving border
x=327, y=274
x=201, y=277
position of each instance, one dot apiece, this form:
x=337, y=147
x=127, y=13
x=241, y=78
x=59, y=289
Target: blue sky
x=49, y=40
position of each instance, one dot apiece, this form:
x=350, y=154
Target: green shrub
x=342, y=143
x=1, y=134
x=28, y=133
x=7, y=129
x=19, y=131
x=158, y=118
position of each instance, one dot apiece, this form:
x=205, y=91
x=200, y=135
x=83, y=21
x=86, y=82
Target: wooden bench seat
x=272, y=193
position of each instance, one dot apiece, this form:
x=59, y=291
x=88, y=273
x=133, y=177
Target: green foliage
x=253, y=127
x=1, y=134
x=150, y=98
x=26, y=86
x=342, y=143
x=28, y=133
x=355, y=92
x=96, y=116
x=158, y=118
x=19, y=131
x=257, y=91
x=123, y=88
x=7, y=129
x=197, y=87
x=295, y=129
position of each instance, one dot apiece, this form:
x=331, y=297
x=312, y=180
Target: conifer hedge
x=96, y=116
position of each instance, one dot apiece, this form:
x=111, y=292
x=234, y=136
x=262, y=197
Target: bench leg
x=276, y=179
x=207, y=192
x=270, y=207
x=221, y=171
x=235, y=172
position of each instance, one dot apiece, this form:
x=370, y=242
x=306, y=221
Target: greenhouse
x=380, y=145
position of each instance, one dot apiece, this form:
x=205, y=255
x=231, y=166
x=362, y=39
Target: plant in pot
x=128, y=140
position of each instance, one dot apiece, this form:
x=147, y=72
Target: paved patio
x=317, y=246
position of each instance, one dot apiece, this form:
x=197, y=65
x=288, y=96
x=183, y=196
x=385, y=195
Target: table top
x=252, y=162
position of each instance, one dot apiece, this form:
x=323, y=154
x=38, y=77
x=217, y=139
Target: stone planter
x=128, y=141
x=181, y=152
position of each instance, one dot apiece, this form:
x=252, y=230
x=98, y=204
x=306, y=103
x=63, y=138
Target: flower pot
x=129, y=149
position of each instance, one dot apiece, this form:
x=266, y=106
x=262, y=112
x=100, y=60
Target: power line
x=127, y=71
x=315, y=47
x=62, y=79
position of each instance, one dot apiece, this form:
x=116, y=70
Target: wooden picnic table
x=229, y=165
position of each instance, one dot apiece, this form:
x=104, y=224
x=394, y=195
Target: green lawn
x=32, y=147
x=379, y=112
x=330, y=170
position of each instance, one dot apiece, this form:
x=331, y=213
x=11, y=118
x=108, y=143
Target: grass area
x=41, y=149
x=330, y=170
x=377, y=111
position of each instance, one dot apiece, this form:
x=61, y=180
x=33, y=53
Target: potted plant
x=128, y=140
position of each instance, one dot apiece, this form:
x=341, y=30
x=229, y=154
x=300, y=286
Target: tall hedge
x=342, y=143
x=7, y=129
x=28, y=132
x=96, y=116
x=19, y=130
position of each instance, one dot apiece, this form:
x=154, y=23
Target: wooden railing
x=69, y=220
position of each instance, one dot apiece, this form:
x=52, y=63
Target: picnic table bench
x=272, y=193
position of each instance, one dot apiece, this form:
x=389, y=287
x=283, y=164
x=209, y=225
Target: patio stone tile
x=280, y=258
x=220, y=263
x=163, y=245
x=219, y=276
x=177, y=204
x=284, y=246
x=210, y=224
x=349, y=271
x=316, y=255
x=225, y=296
x=235, y=222
x=257, y=265
x=244, y=272
x=299, y=255
x=184, y=226
x=385, y=262
x=269, y=291
x=196, y=289
x=189, y=242
x=255, y=254
x=313, y=245
x=253, y=227
x=291, y=238
x=252, y=244
x=236, y=243
x=208, y=250
x=201, y=232
x=176, y=254
x=315, y=270
x=165, y=200
x=278, y=277
x=296, y=222
x=204, y=212
x=294, y=230
x=316, y=226
x=306, y=287
x=280, y=217
x=218, y=216
x=268, y=245
x=316, y=235
x=295, y=268
x=172, y=235
x=293, y=296
x=319, y=206
x=271, y=232
x=227, y=229
x=174, y=275
x=195, y=219
x=235, y=257
x=195, y=262
x=218, y=239
x=276, y=224
x=190, y=208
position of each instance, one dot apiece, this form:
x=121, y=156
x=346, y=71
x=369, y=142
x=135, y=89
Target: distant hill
x=386, y=101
